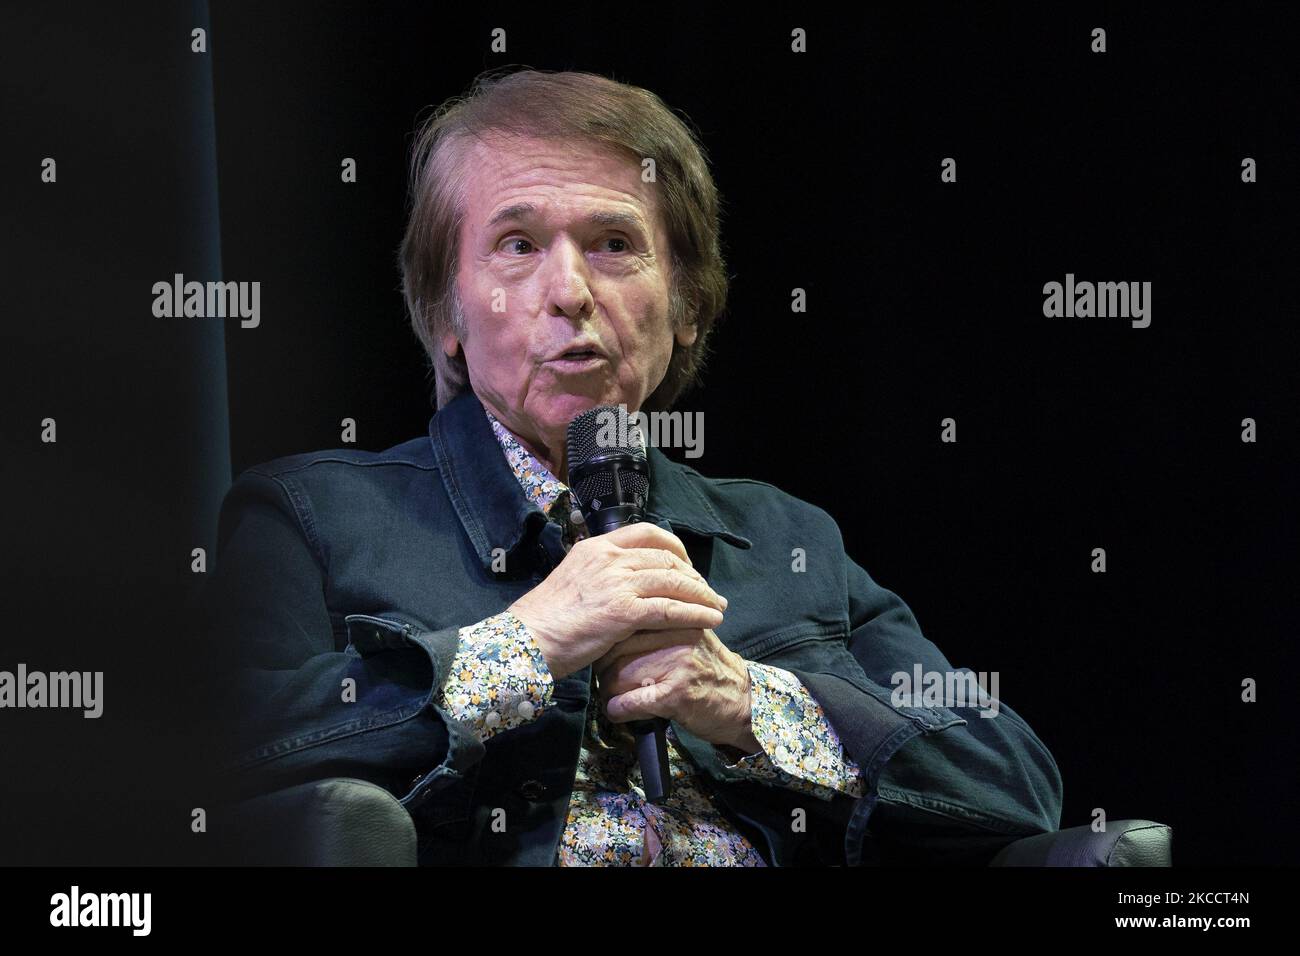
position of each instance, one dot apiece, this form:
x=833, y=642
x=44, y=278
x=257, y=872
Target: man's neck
x=554, y=463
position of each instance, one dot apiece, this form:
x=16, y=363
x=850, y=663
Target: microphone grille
x=605, y=430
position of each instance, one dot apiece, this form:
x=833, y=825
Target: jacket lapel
x=494, y=510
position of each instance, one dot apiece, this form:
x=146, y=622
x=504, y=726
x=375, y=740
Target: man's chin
x=564, y=407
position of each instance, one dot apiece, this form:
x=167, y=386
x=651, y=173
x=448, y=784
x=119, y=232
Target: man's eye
x=521, y=246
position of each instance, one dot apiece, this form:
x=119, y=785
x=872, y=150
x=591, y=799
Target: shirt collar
x=540, y=486
x=496, y=510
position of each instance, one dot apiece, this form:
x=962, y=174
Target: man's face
x=566, y=240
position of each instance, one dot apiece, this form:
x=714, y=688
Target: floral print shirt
x=499, y=680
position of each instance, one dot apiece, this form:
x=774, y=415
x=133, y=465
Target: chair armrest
x=339, y=821
x=1124, y=843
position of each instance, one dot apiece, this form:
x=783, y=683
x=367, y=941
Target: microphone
x=609, y=482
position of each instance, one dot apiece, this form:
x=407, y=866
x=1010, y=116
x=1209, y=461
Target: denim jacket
x=342, y=581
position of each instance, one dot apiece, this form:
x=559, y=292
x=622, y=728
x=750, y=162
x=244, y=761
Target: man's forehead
x=524, y=211
x=514, y=179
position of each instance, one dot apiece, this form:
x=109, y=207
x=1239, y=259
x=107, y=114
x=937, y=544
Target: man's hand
x=635, y=578
x=688, y=676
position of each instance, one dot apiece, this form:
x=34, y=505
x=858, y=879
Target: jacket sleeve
x=943, y=783
x=305, y=695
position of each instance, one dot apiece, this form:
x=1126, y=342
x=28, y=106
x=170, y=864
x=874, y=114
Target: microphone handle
x=652, y=755
x=651, y=740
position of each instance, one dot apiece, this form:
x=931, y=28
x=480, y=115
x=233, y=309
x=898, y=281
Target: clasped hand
x=630, y=604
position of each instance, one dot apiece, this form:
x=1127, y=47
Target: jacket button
x=532, y=789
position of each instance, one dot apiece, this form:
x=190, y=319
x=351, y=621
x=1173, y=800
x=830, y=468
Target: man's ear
x=686, y=335
x=450, y=344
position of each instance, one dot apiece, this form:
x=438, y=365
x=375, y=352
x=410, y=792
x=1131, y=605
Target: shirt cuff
x=801, y=750
x=498, y=679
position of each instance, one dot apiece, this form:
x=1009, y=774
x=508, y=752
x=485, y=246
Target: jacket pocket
x=757, y=647
x=445, y=813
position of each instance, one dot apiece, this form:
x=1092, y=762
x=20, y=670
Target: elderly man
x=425, y=618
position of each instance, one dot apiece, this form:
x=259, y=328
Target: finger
x=640, y=558
x=638, y=672
x=660, y=582
x=624, y=671
x=665, y=613
x=643, y=534
x=640, y=643
x=641, y=703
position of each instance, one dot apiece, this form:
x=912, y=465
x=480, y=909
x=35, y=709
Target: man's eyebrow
x=611, y=218
x=523, y=210
x=520, y=210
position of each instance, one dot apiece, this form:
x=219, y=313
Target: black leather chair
x=339, y=821
x=342, y=821
x=1124, y=843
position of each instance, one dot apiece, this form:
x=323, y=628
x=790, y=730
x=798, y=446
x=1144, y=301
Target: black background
x=924, y=302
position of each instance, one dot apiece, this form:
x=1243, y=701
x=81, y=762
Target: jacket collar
x=492, y=505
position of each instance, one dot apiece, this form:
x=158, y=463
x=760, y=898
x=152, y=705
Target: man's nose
x=568, y=288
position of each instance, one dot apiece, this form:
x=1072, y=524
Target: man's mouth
x=579, y=358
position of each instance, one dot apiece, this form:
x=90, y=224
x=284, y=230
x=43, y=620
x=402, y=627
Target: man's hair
x=573, y=107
